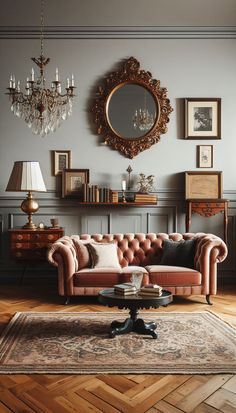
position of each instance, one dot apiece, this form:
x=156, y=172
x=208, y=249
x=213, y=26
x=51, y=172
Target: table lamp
x=26, y=176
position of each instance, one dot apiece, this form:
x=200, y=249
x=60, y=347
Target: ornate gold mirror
x=131, y=110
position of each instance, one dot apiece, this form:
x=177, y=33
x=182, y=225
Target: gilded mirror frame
x=130, y=73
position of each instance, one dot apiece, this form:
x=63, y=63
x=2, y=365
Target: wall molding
x=119, y=32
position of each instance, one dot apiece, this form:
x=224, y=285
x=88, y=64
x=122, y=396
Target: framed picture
x=204, y=156
x=202, y=118
x=61, y=160
x=72, y=182
x=203, y=185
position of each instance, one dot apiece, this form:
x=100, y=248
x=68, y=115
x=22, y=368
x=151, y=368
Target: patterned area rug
x=78, y=343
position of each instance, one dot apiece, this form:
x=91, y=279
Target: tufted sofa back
x=137, y=249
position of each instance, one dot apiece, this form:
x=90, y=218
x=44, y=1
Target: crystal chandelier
x=42, y=109
x=142, y=119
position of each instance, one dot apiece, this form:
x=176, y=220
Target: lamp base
x=29, y=225
x=29, y=206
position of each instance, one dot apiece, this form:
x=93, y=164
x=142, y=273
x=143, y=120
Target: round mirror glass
x=132, y=111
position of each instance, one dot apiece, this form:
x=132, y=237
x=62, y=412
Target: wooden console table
x=207, y=208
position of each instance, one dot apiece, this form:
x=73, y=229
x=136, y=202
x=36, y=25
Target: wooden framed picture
x=204, y=156
x=61, y=160
x=72, y=182
x=202, y=118
x=203, y=185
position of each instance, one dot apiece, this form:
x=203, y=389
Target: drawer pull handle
x=18, y=245
x=19, y=237
x=50, y=236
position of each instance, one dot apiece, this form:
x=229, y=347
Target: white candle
x=10, y=82
x=32, y=74
x=27, y=83
x=18, y=86
x=123, y=185
x=13, y=82
x=57, y=75
x=67, y=83
x=72, y=80
x=59, y=89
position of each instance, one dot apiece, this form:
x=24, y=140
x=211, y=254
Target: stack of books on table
x=125, y=289
x=151, y=290
x=145, y=198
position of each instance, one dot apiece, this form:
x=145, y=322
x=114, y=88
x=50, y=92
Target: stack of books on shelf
x=114, y=196
x=90, y=193
x=125, y=289
x=151, y=290
x=94, y=193
x=145, y=198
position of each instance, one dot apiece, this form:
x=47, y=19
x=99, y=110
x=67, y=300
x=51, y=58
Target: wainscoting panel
x=126, y=222
x=95, y=224
x=162, y=221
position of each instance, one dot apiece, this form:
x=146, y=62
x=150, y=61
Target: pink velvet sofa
x=144, y=252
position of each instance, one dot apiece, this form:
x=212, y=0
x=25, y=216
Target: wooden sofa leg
x=67, y=300
x=208, y=299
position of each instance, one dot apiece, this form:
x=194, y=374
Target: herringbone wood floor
x=112, y=393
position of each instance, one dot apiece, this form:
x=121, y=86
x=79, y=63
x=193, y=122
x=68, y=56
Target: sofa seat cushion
x=166, y=275
x=98, y=277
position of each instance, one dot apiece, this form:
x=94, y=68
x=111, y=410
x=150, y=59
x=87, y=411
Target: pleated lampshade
x=26, y=176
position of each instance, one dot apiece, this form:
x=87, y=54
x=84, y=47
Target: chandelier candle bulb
x=32, y=74
x=72, y=80
x=57, y=75
x=67, y=83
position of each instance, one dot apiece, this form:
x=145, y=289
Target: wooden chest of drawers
x=31, y=245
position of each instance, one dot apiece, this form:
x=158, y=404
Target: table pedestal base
x=133, y=323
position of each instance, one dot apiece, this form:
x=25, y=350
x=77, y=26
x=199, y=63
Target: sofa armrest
x=210, y=251
x=62, y=254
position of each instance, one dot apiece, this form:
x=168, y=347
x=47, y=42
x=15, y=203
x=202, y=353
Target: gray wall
x=188, y=45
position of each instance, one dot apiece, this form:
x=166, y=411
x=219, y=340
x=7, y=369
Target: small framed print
x=203, y=185
x=202, y=118
x=204, y=156
x=72, y=182
x=61, y=160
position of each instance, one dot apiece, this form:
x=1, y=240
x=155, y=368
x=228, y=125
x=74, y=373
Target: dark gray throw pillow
x=178, y=253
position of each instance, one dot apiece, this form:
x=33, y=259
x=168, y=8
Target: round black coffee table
x=133, y=303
